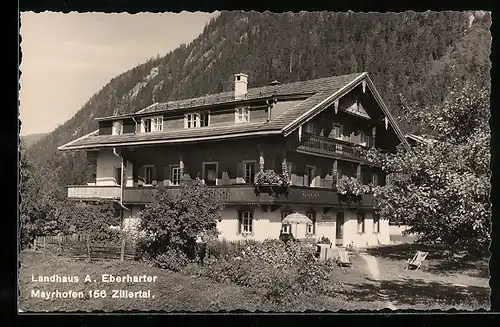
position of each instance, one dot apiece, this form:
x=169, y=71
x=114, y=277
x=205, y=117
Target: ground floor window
x=286, y=229
x=361, y=222
x=246, y=222
x=311, y=228
x=176, y=175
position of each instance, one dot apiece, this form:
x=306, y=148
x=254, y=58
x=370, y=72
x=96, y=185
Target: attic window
x=242, y=115
x=117, y=127
x=194, y=120
x=154, y=124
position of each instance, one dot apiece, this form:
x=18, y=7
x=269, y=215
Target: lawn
x=441, y=282
x=431, y=288
x=172, y=291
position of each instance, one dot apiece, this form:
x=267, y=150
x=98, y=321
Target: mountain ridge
x=330, y=44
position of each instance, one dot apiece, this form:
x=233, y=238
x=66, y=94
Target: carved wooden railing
x=332, y=147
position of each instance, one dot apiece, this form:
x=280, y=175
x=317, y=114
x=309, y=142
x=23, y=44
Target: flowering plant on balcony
x=351, y=187
x=275, y=181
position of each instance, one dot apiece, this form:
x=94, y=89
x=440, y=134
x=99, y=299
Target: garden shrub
x=314, y=277
x=281, y=286
x=172, y=259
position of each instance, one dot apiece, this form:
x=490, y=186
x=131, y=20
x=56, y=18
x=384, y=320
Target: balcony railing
x=94, y=192
x=246, y=195
x=332, y=147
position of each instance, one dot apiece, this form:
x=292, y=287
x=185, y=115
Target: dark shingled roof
x=302, y=87
x=320, y=90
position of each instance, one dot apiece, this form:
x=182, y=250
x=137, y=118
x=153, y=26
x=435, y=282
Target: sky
x=67, y=58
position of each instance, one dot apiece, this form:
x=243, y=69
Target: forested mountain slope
x=417, y=55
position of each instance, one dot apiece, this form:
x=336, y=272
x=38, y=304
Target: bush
x=174, y=220
x=281, y=286
x=172, y=259
x=224, y=249
x=314, y=277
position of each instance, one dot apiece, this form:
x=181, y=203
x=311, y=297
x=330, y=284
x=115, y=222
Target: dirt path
x=372, y=265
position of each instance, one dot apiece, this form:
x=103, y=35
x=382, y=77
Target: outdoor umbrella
x=296, y=218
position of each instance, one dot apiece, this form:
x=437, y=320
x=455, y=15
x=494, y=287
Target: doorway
x=339, y=229
x=210, y=173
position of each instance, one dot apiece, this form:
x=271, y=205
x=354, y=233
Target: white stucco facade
x=107, y=161
x=267, y=225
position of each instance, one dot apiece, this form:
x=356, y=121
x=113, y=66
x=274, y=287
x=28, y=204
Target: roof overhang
x=69, y=147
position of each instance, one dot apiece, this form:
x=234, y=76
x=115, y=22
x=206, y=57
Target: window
x=157, y=124
x=310, y=127
x=117, y=127
x=249, y=171
x=152, y=124
x=286, y=229
x=336, y=132
x=191, y=120
x=176, y=175
x=204, y=119
x=147, y=125
x=376, y=224
x=148, y=175
x=374, y=179
x=361, y=222
x=246, y=222
x=310, y=172
x=311, y=228
x=210, y=171
x=242, y=115
x=118, y=175
x=362, y=137
x=197, y=120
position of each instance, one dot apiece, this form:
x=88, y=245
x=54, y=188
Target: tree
x=441, y=190
x=173, y=221
x=92, y=219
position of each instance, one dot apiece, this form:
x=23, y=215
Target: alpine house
x=267, y=152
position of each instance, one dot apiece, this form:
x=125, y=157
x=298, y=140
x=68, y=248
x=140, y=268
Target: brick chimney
x=240, y=86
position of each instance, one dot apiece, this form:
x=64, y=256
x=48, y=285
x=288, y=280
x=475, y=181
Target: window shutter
x=140, y=173
x=185, y=121
x=239, y=169
x=240, y=222
x=155, y=174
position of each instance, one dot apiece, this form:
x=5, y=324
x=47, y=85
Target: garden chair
x=344, y=259
x=416, y=262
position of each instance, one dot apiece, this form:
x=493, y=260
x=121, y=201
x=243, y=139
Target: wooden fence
x=79, y=247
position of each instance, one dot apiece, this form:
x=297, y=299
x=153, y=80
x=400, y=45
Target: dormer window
x=117, y=127
x=194, y=120
x=242, y=115
x=153, y=124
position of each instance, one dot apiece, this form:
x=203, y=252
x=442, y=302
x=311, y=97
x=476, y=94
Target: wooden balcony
x=246, y=195
x=85, y=192
x=332, y=148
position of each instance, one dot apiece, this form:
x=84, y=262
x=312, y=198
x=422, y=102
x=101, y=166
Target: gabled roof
x=320, y=93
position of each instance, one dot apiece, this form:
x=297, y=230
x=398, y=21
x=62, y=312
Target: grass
x=440, y=284
x=173, y=291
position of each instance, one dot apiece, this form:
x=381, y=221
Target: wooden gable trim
x=363, y=79
x=310, y=114
x=387, y=113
